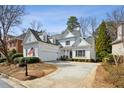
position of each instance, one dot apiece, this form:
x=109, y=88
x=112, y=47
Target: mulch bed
x=35, y=70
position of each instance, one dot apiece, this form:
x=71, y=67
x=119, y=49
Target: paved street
x=3, y=84
x=69, y=74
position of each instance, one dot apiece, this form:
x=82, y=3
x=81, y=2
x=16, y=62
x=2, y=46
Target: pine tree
x=103, y=40
x=72, y=23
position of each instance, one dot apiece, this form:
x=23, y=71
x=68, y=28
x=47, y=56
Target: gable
x=30, y=38
x=43, y=36
x=69, y=35
x=83, y=43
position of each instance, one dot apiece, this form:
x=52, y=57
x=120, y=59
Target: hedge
x=16, y=55
x=29, y=60
x=79, y=60
x=17, y=59
x=2, y=60
x=12, y=52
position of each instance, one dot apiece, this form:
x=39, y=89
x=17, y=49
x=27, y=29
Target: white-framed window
x=67, y=42
x=80, y=53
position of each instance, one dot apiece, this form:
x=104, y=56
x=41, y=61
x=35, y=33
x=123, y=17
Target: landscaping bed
x=107, y=76
x=100, y=81
x=35, y=70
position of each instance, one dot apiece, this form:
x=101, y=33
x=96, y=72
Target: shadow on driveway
x=61, y=63
x=65, y=65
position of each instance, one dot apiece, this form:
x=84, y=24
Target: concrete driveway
x=68, y=75
x=3, y=84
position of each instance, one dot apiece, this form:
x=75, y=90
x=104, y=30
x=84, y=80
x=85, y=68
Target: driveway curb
x=21, y=82
x=13, y=79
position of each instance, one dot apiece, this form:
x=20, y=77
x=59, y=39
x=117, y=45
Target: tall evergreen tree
x=103, y=40
x=72, y=23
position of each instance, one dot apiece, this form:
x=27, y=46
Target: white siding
x=43, y=37
x=69, y=35
x=44, y=51
x=63, y=42
x=87, y=53
x=30, y=38
x=28, y=47
x=73, y=53
x=48, y=52
x=84, y=43
x=119, y=32
x=118, y=49
x=51, y=40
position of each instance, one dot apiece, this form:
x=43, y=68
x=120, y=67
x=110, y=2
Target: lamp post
x=26, y=68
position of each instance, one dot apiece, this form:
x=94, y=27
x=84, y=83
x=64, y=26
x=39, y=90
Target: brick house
x=15, y=42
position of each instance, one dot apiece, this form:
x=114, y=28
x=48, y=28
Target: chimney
x=120, y=31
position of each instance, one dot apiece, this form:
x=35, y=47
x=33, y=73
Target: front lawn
x=36, y=70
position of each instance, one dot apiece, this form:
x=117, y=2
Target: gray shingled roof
x=90, y=40
x=11, y=36
x=78, y=40
x=22, y=36
x=64, y=33
x=117, y=41
x=35, y=33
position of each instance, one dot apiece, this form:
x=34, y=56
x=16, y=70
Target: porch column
x=73, y=53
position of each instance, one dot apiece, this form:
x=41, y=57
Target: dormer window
x=67, y=42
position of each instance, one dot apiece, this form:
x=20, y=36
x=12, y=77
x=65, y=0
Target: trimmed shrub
x=17, y=60
x=16, y=55
x=12, y=52
x=64, y=58
x=108, y=59
x=2, y=60
x=83, y=60
x=29, y=60
x=100, y=56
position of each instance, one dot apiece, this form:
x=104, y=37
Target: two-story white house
x=69, y=44
x=118, y=44
x=74, y=46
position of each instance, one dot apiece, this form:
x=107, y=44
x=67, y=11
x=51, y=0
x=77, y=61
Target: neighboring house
x=15, y=42
x=73, y=45
x=118, y=44
x=37, y=44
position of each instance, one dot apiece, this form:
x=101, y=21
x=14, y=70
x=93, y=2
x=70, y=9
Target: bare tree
x=88, y=25
x=36, y=25
x=84, y=24
x=114, y=19
x=9, y=16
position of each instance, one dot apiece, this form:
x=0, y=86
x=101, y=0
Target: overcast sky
x=54, y=17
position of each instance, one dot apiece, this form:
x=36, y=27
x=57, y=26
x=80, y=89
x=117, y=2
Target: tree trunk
x=6, y=54
x=8, y=59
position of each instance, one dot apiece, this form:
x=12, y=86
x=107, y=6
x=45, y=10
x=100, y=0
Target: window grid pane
x=80, y=53
x=67, y=42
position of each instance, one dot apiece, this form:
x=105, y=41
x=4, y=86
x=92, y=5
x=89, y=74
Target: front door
x=70, y=54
